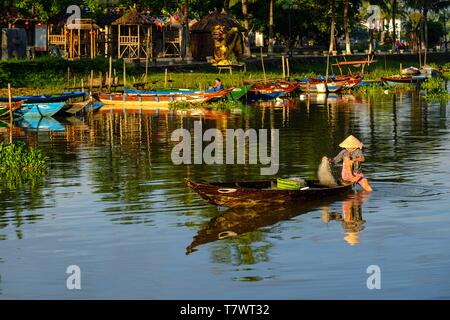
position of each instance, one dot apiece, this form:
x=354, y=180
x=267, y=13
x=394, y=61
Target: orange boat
x=155, y=101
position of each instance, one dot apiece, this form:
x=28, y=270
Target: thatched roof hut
x=202, y=44
x=132, y=18
x=207, y=23
x=133, y=35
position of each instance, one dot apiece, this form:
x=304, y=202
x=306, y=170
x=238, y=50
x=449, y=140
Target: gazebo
x=202, y=43
x=134, y=35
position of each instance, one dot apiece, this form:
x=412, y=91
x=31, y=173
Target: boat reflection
x=39, y=124
x=351, y=217
x=234, y=222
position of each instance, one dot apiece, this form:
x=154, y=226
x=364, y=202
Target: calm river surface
x=114, y=204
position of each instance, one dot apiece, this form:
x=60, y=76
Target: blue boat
x=95, y=106
x=39, y=109
x=46, y=98
x=40, y=124
x=370, y=83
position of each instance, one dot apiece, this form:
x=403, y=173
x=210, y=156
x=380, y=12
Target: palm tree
x=270, y=49
x=394, y=13
x=346, y=28
x=331, y=4
x=425, y=6
x=232, y=3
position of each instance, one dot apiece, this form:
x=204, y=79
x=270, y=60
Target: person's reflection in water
x=351, y=217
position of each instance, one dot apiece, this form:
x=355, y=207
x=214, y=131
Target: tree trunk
x=346, y=28
x=370, y=41
x=394, y=13
x=332, y=27
x=247, y=52
x=270, y=49
x=382, y=30
x=226, y=6
x=188, y=49
x=425, y=31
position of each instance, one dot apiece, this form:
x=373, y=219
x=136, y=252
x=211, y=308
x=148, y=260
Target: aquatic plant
x=435, y=89
x=216, y=105
x=17, y=156
x=19, y=165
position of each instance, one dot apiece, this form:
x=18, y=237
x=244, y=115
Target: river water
x=115, y=205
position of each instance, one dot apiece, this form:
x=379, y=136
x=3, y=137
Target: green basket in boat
x=284, y=184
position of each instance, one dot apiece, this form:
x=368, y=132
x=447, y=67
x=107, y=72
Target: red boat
x=270, y=91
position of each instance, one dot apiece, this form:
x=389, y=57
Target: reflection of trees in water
x=23, y=193
x=19, y=199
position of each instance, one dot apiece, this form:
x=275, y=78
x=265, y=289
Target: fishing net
x=325, y=174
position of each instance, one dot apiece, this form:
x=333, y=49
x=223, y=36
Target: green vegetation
x=49, y=75
x=435, y=89
x=20, y=164
x=216, y=105
x=18, y=156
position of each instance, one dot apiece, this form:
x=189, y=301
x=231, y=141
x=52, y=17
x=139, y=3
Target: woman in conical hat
x=351, y=157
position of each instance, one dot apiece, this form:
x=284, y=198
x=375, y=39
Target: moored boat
x=46, y=98
x=156, y=101
x=42, y=109
x=395, y=80
x=321, y=87
x=234, y=95
x=261, y=193
x=5, y=109
x=270, y=91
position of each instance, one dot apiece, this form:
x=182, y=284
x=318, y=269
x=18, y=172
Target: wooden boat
x=370, y=83
x=4, y=108
x=239, y=93
x=40, y=109
x=155, y=101
x=236, y=221
x=261, y=193
x=347, y=81
x=270, y=91
x=234, y=95
x=46, y=98
x=395, y=80
x=76, y=107
x=321, y=87
x=83, y=106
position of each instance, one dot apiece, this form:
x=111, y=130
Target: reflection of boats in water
x=40, y=123
x=234, y=221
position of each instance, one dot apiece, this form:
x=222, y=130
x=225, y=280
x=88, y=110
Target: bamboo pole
x=262, y=64
x=287, y=68
x=124, y=74
x=101, y=81
x=68, y=76
x=10, y=113
x=283, y=66
x=165, y=78
x=147, y=54
x=110, y=73
x=82, y=85
x=115, y=77
x=91, y=82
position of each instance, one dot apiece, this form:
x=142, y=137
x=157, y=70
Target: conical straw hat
x=351, y=238
x=351, y=143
